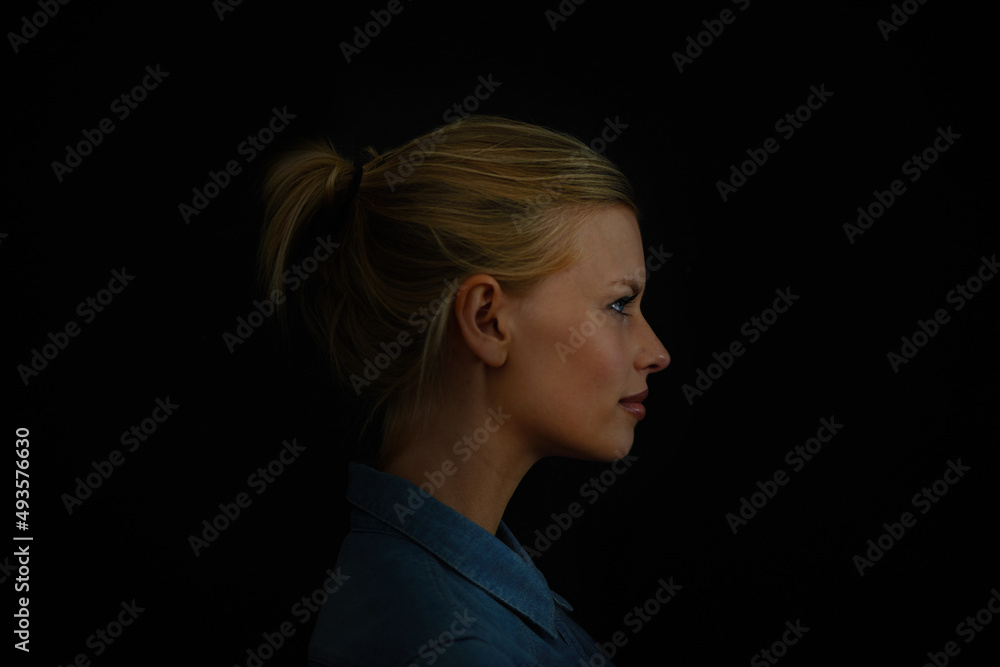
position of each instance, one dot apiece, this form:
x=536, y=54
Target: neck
x=475, y=479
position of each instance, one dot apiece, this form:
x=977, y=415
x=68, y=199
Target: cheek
x=572, y=367
x=602, y=357
x=567, y=383
x=592, y=423
x=595, y=367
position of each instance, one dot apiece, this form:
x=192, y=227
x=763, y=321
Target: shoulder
x=399, y=605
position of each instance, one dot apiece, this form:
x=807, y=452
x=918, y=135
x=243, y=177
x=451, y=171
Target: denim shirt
x=424, y=585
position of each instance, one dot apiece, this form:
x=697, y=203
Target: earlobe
x=478, y=314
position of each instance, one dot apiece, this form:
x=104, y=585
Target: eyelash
x=627, y=300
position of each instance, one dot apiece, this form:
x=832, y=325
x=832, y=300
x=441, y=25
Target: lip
x=633, y=404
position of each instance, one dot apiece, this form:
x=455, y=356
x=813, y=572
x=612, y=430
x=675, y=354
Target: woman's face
x=580, y=346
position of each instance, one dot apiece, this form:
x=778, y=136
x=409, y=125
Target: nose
x=651, y=356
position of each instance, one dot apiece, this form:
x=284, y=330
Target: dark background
x=666, y=517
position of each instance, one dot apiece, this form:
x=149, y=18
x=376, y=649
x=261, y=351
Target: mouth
x=633, y=404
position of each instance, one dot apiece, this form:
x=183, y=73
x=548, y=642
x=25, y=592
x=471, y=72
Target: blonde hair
x=481, y=195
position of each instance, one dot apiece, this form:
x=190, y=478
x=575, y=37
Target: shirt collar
x=496, y=563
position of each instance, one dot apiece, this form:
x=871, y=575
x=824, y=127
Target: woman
x=467, y=260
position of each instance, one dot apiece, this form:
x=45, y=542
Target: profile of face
x=577, y=344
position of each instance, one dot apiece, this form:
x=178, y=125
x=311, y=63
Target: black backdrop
x=679, y=127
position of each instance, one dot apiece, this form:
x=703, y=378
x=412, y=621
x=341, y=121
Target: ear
x=481, y=312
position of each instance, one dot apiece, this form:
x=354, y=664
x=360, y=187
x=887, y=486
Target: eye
x=624, y=301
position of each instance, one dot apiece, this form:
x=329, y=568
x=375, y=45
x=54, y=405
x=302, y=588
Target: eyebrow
x=630, y=281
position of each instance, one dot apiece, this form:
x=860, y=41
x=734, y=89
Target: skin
x=508, y=353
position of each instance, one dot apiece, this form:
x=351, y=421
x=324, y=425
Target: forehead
x=611, y=245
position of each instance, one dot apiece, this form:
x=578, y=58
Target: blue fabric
x=424, y=585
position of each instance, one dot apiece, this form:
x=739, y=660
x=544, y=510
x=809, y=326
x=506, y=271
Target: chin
x=610, y=450
x=602, y=443
x=622, y=451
